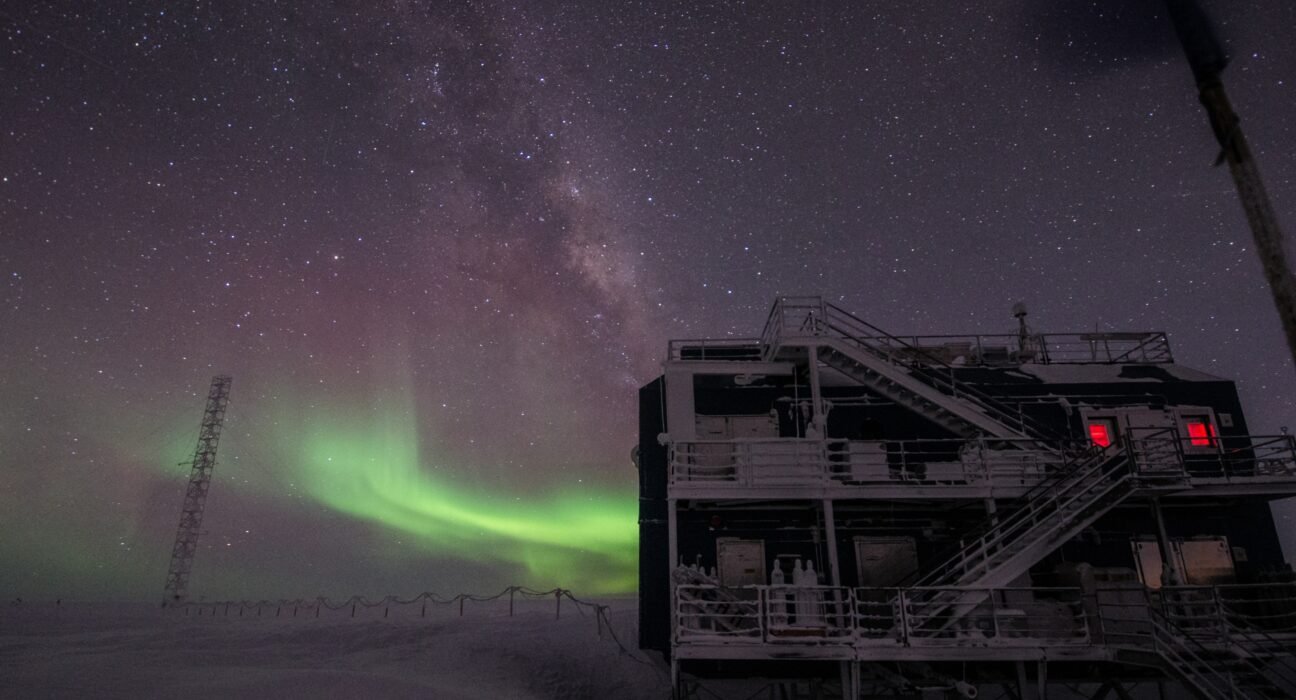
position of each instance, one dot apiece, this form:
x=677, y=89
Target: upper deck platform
x=808, y=317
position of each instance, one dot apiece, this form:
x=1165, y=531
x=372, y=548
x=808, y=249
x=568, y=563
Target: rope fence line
x=602, y=617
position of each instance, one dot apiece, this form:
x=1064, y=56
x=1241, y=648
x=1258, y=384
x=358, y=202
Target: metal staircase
x=895, y=369
x=960, y=413
x=1005, y=548
x=1008, y=545
x=1209, y=660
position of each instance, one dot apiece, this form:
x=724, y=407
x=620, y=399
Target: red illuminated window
x=1100, y=434
x=1201, y=433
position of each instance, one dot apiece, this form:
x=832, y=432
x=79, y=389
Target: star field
x=440, y=245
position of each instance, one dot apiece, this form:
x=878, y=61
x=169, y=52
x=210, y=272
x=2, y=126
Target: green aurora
x=584, y=538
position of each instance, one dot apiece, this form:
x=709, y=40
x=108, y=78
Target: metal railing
x=1240, y=458
x=844, y=464
x=1267, y=607
x=812, y=317
x=774, y=462
x=1192, y=629
x=1012, y=616
x=870, y=617
x=714, y=350
x=1054, y=504
x=789, y=315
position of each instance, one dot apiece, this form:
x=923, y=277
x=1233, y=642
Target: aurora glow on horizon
x=376, y=475
x=440, y=246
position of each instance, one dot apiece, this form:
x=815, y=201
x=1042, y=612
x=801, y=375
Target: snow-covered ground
x=140, y=651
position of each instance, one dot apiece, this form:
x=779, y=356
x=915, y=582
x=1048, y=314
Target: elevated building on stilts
x=831, y=509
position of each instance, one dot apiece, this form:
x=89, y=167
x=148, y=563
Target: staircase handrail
x=1256, y=641
x=1186, y=637
x=1158, y=336
x=1046, y=493
x=823, y=316
x=1270, y=647
x=839, y=320
x=1031, y=513
x=1172, y=644
x=1067, y=471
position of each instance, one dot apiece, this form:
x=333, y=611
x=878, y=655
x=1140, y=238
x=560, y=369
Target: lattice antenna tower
x=191, y=514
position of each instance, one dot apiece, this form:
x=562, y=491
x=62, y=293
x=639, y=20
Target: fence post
x=318, y=605
x=227, y=609
x=557, y=603
x=511, y=590
x=353, y=606
x=423, y=612
x=461, y=600
x=278, y=610
x=386, y=609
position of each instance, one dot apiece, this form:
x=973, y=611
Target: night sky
x=439, y=245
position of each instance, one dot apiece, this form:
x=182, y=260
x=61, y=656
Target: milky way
x=440, y=245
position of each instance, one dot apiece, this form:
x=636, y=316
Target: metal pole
x=1207, y=59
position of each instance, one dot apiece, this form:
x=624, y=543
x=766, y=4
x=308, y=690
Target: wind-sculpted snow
x=140, y=651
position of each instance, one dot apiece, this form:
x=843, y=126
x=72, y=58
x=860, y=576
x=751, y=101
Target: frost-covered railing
x=1234, y=639
x=809, y=316
x=1238, y=610
x=870, y=617
x=1002, y=616
x=1227, y=613
x=802, y=462
x=1240, y=459
x=809, y=462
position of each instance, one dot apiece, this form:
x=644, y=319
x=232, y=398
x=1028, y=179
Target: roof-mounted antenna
x=1023, y=331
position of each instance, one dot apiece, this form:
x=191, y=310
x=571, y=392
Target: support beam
x=1170, y=574
x=816, y=394
x=830, y=531
x=672, y=549
x=672, y=534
